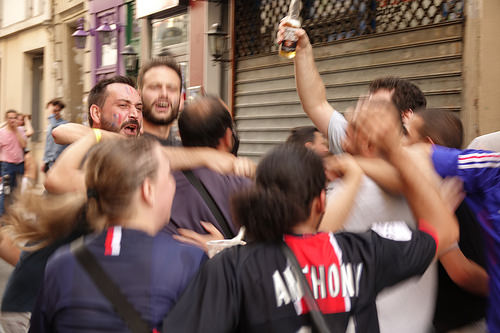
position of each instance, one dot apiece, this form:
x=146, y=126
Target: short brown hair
x=166, y=61
x=442, y=127
x=10, y=111
x=406, y=94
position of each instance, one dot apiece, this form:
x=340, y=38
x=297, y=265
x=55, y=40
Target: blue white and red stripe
x=112, y=244
x=479, y=160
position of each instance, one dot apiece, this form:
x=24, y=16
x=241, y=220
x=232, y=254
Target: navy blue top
x=189, y=208
x=151, y=272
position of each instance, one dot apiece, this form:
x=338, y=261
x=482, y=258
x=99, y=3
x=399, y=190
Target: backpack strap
x=109, y=289
x=212, y=205
x=317, y=317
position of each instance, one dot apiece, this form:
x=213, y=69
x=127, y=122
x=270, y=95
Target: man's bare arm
x=66, y=134
x=309, y=84
x=339, y=206
x=185, y=158
x=465, y=273
x=66, y=175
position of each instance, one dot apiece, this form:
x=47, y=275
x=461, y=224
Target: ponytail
x=36, y=221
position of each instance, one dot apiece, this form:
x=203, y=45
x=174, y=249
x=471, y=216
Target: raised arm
x=66, y=134
x=28, y=127
x=310, y=86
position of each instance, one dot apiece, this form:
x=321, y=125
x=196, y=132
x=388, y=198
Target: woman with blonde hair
x=128, y=200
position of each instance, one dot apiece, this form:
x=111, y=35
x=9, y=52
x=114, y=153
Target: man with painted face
x=115, y=106
x=160, y=86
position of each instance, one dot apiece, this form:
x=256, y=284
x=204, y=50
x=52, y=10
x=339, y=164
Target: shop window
x=168, y=34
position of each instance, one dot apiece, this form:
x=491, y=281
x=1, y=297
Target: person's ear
x=95, y=114
x=181, y=102
x=147, y=192
x=406, y=116
x=308, y=145
x=226, y=142
x=319, y=202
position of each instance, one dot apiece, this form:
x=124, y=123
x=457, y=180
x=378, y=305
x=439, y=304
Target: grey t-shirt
x=408, y=306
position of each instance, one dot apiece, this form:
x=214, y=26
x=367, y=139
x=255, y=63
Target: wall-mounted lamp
x=217, y=42
x=104, y=33
x=131, y=59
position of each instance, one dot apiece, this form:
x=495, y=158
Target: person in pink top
x=12, y=144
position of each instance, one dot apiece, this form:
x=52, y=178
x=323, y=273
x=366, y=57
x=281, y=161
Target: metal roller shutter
x=267, y=105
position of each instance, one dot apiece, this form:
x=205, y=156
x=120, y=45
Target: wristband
x=449, y=249
x=98, y=134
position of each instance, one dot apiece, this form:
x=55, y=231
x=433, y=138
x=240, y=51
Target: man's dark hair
x=98, y=93
x=302, y=135
x=56, y=102
x=406, y=95
x=442, y=127
x=287, y=180
x=166, y=61
x=203, y=122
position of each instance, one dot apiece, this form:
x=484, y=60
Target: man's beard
x=113, y=127
x=147, y=114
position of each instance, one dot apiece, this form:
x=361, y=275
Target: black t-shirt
x=251, y=288
x=171, y=141
x=456, y=307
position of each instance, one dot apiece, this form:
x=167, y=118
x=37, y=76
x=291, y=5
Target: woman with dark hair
x=128, y=201
x=253, y=288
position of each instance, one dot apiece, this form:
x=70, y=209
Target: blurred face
x=353, y=143
x=319, y=144
x=161, y=95
x=165, y=188
x=11, y=118
x=122, y=110
x=20, y=120
x=56, y=110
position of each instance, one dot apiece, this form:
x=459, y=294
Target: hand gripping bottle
x=292, y=23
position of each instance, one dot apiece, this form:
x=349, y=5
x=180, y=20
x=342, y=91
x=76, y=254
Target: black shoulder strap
x=316, y=315
x=212, y=205
x=109, y=289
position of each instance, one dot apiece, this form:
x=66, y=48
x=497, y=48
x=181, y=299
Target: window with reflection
x=168, y=33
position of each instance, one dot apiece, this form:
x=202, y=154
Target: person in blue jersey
x=480, y=173
x=128, y=201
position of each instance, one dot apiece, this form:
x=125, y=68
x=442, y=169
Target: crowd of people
x=355, y=224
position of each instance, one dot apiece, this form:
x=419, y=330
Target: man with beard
x=160, y=86
x=115, y=106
